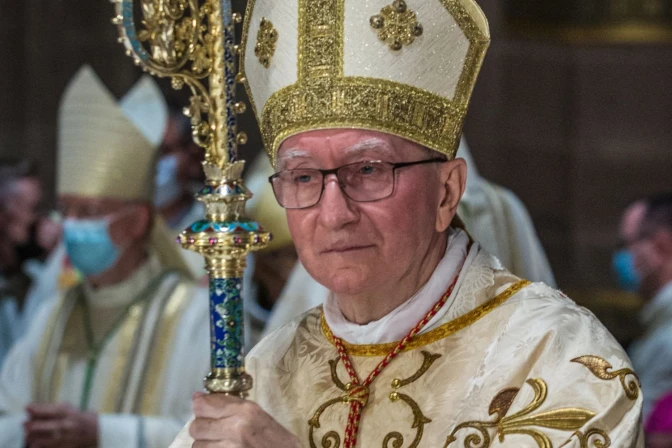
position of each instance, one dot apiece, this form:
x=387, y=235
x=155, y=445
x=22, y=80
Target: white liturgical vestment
x=142, y=381
x=508, y=363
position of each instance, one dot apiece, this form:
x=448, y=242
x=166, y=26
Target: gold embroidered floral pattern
x=397, y=25
x=333, y=439
x=525, y=422
x=419, y=419
x=600, y=368
x=592, y=438
x=267, y=38
x=314, y=423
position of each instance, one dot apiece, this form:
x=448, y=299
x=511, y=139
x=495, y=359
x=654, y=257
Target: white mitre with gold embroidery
x=108, y=149
x=405, y=68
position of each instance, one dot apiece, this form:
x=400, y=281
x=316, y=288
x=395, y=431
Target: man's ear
x=453, y=176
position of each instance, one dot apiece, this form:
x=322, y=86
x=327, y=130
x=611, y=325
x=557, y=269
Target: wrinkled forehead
x=344, y=145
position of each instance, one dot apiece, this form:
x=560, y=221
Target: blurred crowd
x=99, y=309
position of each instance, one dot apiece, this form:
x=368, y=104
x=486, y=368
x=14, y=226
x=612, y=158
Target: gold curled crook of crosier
x=397, y=25
x=524, y=423
x=600, y=368
x=186, y=40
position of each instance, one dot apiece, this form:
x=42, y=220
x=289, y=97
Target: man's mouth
x=345, y=248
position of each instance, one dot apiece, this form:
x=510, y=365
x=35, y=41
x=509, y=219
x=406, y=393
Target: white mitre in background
x=108, y=149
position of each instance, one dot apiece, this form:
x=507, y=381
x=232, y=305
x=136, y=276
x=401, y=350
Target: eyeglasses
x=362, y=182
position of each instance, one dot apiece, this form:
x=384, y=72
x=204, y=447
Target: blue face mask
x=623, y=264
x=89, y=246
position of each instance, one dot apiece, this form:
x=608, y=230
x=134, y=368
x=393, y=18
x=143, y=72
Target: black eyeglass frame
x=335, y=171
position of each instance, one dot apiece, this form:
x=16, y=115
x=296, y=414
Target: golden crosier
x=193, y=43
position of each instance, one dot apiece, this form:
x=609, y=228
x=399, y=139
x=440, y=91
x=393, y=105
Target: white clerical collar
x=398, y=323
x=660, y=305
x=125, y=292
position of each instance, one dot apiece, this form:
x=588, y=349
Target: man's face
x=21, y=208
x=646, y=257
x=353, y=247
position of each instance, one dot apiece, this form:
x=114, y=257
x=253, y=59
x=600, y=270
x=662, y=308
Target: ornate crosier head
x=190, y=41
x=193, y=43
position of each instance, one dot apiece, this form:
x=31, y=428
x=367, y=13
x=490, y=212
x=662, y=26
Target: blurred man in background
x=113, y=361
x=645, y=265
x=27, y=241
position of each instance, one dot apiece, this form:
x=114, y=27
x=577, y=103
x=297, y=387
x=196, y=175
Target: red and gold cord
x=358, y=393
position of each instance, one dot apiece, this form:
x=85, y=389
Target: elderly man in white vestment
x=113, y=361
x=425, y=340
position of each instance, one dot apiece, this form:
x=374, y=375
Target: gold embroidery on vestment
x=593, y=438
x=522, y=422
x=419, y=419
x=174, y=309
x=397, y=25
x=128, y=341
x=600, y=368
x=47, y=382
x=429, y=359
x=437, y=334
x=362, y=394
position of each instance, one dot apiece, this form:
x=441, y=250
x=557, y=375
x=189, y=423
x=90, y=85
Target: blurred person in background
x=28, y=239
x=644, y=264
x=493, y=215
x=114, y=360
x=179, y=176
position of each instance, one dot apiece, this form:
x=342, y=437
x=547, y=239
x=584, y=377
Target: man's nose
x=336, y=209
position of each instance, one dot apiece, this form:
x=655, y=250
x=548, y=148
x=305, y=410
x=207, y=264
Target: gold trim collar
x=439, y=333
